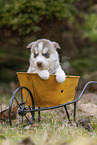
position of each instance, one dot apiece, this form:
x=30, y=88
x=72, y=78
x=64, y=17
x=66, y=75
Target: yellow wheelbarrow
x=36, y=94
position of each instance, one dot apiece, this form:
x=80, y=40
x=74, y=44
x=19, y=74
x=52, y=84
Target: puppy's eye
x=35, y=55
x=46, y=55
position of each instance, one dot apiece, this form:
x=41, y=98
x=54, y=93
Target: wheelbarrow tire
x=18, y=107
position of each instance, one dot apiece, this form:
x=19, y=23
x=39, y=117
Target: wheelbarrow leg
x=32, y=113
x=38, y=115
x=67, y=113
x=74, y=111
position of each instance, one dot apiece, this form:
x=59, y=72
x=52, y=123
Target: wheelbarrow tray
x=48, y=93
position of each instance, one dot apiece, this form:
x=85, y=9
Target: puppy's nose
x=39, y=64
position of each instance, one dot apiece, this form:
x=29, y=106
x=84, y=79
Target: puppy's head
x=43, y=53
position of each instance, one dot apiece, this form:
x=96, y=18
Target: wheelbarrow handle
x=86, y=85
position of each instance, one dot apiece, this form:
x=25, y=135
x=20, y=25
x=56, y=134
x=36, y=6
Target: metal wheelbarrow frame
x=27, y=105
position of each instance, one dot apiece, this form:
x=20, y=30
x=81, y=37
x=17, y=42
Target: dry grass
x=53, y=129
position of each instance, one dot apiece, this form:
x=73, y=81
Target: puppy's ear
x=56, y=45
x=30, y=45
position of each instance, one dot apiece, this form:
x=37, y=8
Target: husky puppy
x=44, y=60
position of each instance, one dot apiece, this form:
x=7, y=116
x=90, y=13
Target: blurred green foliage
x=85, y=65
x=90, y=26
x=25, y=15
x=72, y=23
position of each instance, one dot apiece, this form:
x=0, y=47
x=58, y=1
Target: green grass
x=53, y=129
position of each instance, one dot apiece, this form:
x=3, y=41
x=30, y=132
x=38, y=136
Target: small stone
x=28, y=127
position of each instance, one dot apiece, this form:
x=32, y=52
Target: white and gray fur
x=44, y=60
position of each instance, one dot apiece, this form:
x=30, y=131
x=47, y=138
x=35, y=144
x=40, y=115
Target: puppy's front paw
x=60, y=77
x=44, y=74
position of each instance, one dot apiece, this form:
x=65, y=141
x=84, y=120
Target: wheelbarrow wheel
x=18, y=108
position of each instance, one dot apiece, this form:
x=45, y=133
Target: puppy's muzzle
x=39, y=64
